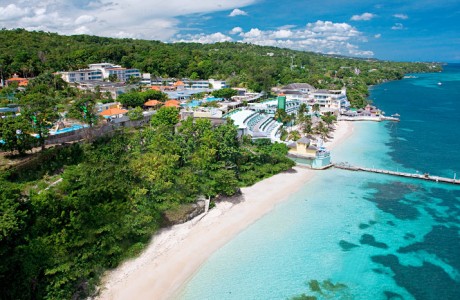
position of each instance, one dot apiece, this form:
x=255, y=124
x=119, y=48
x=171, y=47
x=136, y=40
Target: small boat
x=440, y=83
x=395, y=115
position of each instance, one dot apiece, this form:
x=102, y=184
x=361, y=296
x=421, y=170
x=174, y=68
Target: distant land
x=257, y=68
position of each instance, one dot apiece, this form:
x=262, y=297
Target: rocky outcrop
x=183, y=213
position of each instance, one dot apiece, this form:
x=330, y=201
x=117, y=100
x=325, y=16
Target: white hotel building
x=98, y=72
x=331, y=100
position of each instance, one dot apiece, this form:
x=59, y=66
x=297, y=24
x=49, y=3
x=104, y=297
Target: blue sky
x=424, y=30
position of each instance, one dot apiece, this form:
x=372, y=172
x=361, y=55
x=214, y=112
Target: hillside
x=255, y=67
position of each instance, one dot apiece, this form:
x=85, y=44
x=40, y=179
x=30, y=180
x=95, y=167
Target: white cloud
x=11, y=11
x=287, y=27
x=84, y=19
x=237, y=12
x=328, y=28
x=397, y=26
x=378, y=35
x=282, y=34
x=82, y=30
x=153, y=19
x=401, y=16
x=363, y=17
x=204, y=38
x=236, y=30
x=254, y=33
x=320, y=36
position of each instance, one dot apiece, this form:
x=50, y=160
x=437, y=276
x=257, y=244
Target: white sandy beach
x=176, y=253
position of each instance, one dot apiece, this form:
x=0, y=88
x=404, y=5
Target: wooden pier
x=428, y=177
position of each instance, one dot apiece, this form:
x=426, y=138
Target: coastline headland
x=176, y=253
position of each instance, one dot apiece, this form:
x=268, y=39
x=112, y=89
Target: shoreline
x=175, y=254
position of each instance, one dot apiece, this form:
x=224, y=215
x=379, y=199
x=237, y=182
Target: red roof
x=113, y=112
x=19, y=80
x=174, y=103
x=152, y=103
x=155, y=87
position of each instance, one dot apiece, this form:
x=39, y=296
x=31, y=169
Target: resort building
x=113, y=113
x=146, y=79
x=270, y=106
x=81, y=75
x=302, y=88
x=160, y=81
x=197, y=84
x=152, y=104
x=122, y=74
x=112, y=89
x=331, y=100
x=100, y=107
x=190, y=84
x=303, y=152
x=172, y=103
x=212, y=114
x=22, y=82
x=258, y=120
x=100, y=71
x=217, y=84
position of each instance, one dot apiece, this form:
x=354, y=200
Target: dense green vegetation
x=31, y=53
x=136, y=99
x=55, y=243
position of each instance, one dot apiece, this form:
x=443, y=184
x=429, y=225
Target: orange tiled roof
x=155, y=87
x=19, y=80
x=174, y=103
x=152, y=103
x=177, y=83
x=113, y=111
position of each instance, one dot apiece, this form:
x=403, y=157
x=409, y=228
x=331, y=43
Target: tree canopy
x=225, y=93
x=32, y=53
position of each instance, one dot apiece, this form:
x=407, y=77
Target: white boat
x=440, y=83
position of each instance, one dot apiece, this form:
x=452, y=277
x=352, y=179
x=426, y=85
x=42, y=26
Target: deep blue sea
x=350, y=235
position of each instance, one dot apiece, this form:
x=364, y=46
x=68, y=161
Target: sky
x=423, y=30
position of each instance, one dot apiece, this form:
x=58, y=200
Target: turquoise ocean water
x=348, y=235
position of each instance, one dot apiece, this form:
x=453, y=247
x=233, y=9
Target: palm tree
x=303, y=109
x=294, y=135
x=307, y=124
x=322, y=130
x=282, y=116
x=316, y=108
x=329, y=119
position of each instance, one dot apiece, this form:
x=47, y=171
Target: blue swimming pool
x=210, y=99
x=195, y=103
x=68, y=129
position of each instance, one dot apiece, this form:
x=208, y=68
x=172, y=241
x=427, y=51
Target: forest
x=257, y=68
